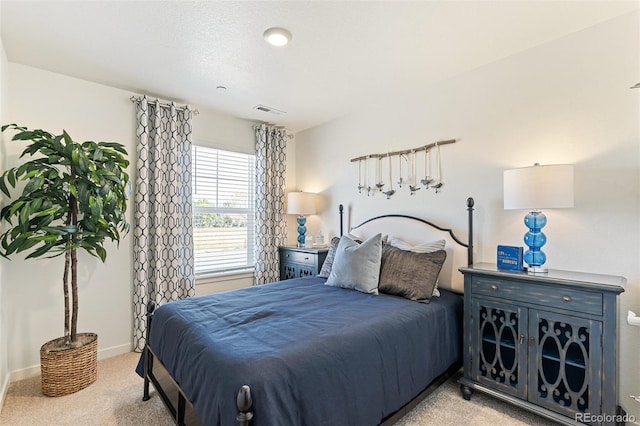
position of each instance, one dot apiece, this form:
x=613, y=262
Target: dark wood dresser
x=546, y=343
x=300, y=262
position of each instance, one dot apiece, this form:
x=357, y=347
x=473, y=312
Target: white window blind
x=223, y=209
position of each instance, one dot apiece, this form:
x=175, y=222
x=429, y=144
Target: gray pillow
x=409, y=274
x=328, y=261
x=425, y=247
x=357, y=266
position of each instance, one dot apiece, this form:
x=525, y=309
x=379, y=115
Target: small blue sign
x=510, y=258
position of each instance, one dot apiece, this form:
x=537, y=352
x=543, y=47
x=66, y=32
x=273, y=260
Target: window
x=223, y=209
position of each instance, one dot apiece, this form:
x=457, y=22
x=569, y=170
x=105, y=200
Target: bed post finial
x=244, y=401
x=470, y=203
x=341, y=210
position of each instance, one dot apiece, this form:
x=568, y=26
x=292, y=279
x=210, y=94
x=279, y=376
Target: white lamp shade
x=539, y=187
x=301, y=203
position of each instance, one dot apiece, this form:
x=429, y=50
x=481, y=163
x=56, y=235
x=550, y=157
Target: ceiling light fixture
x=277, y=36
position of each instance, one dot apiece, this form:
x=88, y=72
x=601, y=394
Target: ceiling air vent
x=268, y=109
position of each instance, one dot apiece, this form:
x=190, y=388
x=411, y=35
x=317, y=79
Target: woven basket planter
x=68, y=371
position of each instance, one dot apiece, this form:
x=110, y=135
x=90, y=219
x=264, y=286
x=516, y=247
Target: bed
x=301, y=352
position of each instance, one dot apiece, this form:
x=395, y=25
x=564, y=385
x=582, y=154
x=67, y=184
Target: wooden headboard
x=414, y=230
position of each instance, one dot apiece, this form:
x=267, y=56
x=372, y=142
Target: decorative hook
x=360, y=186
x=427, y=168
x=401, y=180
x=439, y=184
x=390, y=191
x=413, y=187
x=380, y=184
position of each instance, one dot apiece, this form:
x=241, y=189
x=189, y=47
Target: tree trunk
x=65, y=283
x=74, y=265
x=65, y=286
x=74, y=296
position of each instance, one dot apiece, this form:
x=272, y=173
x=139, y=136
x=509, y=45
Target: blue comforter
x=312, y=354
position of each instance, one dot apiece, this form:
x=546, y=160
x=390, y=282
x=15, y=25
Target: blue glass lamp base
x=535, y=239
x=301, y=230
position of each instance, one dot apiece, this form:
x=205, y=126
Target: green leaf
x=97, y=154
x=67, y=138
x=44, y=249
x=23, y=219
x=15, y=245
x=57, y=144
x=24, y=136
x=3, y=186
x=26, y=245
x=36, y=204
x=47, y=211
x=34, y=184
x=102, y=253
x=15, y=206
x=48, y=238
x=74, y=157
x=11, y=178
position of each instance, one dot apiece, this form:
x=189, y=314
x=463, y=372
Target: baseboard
x=3, y=391
x=26, y=373
x=114, y=351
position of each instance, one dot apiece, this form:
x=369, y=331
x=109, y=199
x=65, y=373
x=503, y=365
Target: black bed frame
x=244, y=400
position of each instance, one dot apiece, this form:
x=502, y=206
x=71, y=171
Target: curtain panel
x=270, y=219
x=163, y=231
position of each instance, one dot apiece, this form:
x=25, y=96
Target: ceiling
x=343, y=56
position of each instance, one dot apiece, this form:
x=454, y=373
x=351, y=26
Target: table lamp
x=534, y=188
x=301, y=203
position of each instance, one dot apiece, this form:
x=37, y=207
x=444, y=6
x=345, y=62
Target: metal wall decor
x=413, y=185
x=410, y=179
x=390, y=191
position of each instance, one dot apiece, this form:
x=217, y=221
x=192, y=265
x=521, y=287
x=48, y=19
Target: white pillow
x=357, y=266
x=427, y=247
x=355, y=238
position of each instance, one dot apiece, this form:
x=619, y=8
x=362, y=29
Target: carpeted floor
x=115, y=399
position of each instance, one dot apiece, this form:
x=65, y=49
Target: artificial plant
x=74, y=197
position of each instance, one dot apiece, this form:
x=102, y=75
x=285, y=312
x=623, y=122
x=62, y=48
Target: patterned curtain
x=271, y=168
x=162, y=238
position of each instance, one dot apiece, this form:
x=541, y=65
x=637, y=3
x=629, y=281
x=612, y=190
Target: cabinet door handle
x=306, y=258
x=521, y=339
x=494, y=287
x=566, y=298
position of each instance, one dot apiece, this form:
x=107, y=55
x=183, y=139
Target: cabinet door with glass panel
x=501, y=357
x=565, y=363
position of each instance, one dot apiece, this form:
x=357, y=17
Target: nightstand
x=546, y=343
x=300, y=262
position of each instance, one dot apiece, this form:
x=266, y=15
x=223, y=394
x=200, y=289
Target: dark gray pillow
x=328, y=261
x=357, y=266
x=409, y=274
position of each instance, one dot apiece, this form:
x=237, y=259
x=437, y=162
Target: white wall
x=32, y=294
x=567, y=101
x=4, y=368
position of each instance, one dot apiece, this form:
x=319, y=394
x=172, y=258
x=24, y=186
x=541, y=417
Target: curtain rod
x=163, y=103
x=289, y=135
x=405, y=151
